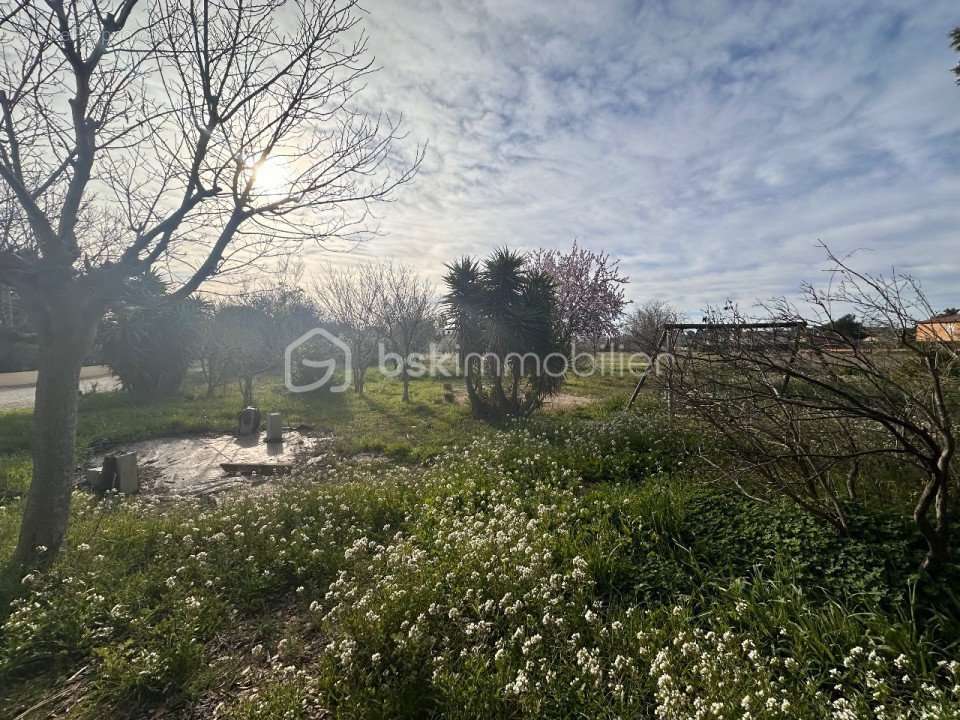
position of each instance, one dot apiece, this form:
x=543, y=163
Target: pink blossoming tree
x=589, y=292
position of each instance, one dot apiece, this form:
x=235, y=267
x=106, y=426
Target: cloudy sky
x=709, y=144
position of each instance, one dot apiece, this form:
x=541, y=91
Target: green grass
x=492, y=582
x=377, y=421
x=580, y=564
x=608, y=378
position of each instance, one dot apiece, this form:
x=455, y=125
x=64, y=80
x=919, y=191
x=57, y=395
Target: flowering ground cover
x=568, y=567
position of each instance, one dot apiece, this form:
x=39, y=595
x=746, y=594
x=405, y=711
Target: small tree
x=505, y=319
x=215, y=346
x=845, y=329
x=644, y=327
x=407, y=315
x=351, y=299
x=247, y=337
x=802, y=412
x=247, y=331
x=589, y=292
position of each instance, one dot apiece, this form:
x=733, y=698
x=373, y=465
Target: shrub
x=150, y=341
x=504, y=315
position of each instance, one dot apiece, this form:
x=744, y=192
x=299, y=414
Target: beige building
x=943, y=328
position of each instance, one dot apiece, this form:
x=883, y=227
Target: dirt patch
x=563, y=401
x=560, y=401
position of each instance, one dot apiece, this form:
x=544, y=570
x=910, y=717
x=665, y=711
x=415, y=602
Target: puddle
x=190, y=465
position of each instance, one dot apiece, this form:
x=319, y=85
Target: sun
x=273, y=175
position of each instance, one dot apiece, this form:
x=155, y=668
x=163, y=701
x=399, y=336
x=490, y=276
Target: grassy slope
x=577, y=565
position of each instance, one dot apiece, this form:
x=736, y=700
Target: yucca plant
x=503, y=316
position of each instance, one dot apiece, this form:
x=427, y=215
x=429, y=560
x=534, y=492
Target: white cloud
x=710, y=145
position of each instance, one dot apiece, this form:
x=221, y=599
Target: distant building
x=940, y=328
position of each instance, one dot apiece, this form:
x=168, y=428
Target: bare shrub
x=801, y=411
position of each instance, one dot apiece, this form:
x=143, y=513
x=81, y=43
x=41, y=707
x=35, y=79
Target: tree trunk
x=935, y=533
x=209, y=375
x=472, y=383
x=499, y=394
x=64, y=343
x=405, y=379
x=246, y=390
x=852, y=478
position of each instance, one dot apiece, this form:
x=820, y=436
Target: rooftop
x=952, y=318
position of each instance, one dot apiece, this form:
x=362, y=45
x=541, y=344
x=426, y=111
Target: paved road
x=17, y=389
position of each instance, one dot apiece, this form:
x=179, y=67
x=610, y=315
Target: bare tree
x=408, y=315
x=215, y=349
x=351, y=299
x=190, y=137
x=644, y=327
x=955, y=44
x=802, y=412
x=249, y=341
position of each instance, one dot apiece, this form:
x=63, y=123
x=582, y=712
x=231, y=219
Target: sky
x=710, y=145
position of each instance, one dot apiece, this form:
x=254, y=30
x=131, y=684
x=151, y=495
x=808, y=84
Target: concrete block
x=95, y=479
x=128, y=478
x=249, y=421
x=274, y=427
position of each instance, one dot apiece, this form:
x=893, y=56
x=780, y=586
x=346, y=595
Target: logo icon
x=329, y=365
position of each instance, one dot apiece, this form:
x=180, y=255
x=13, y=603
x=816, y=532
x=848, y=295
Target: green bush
x=151, y=345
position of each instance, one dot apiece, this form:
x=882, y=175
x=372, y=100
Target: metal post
x=651, y=367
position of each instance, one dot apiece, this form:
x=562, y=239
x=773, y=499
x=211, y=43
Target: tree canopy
x=955, y=44
x=589, y=292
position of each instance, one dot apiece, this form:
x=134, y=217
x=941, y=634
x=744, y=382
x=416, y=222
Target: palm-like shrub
x=503, y=316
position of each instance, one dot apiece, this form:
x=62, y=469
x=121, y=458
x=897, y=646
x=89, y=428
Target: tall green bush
x=150, y=340
x=503, y=314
